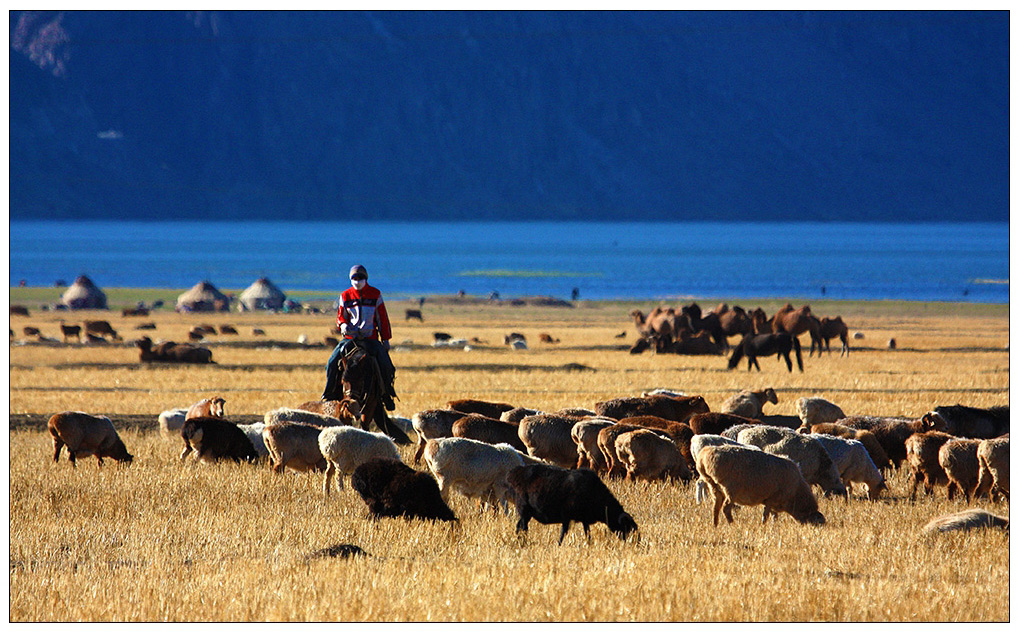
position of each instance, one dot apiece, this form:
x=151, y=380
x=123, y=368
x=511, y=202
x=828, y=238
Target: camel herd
x=688, y=330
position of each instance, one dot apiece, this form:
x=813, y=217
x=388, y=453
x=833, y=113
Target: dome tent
x=203, y=297
x=84, y=295
x=262, y=295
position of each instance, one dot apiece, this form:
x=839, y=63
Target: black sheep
x=392, y=489
x=216, y=439
x=554, y=495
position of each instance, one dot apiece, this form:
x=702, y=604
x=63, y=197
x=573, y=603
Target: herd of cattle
x=550, y=466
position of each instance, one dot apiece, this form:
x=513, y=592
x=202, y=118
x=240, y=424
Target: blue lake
x=926, y=262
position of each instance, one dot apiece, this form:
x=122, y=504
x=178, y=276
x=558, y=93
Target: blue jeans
x=373, y=347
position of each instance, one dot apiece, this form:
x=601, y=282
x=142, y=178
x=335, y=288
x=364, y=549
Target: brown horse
x=735, y=321
x=832, y=328
x=362, y=382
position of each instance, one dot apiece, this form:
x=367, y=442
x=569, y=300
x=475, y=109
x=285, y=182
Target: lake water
x=927, y=262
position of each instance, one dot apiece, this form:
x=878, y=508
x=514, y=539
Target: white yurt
x=84, y=295
x=262, y=294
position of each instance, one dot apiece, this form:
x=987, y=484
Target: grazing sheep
x=345, y=410
x=733, y=432
x=297, y=416
x=488, y=430
x=853, y=463
x=749, y=404
x=960, y=460
x=995, y=466
x=606, y=439
x=679, y=433
x=170, y=421
x=716, y=423
x=346, y=447
x=101, y=328
x=891, y=432
x=86, y=435
x=480, y=407
x=700, y=441
x=922, y=453
x=804, y=450
x=554, y=495
x=171, y=352
x=973, y=423
x=228, y=329
x=549, y=437
x=584, y=435
x=742, y=476
x=254, y=434
x=866, y=437
x=294, y=446
x=208, y=407
x=433, y=424
x=574, y=412
x=213, y=438
x=394, y=489
x=965, y=521
x=817, y=410
x=649, y=456
x=516, y=415
x=672, y=408
x=474, y=468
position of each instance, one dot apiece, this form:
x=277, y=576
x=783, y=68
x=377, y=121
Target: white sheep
x=853, y=463
x=733, y=432
x=294, y=446
x=434, y=423
x=297, y=416
x=474, y=468
x=808, y=453
x=817, y=410
x=749, y=403
x=254, y=433
x=171, y=421
x=346, y=447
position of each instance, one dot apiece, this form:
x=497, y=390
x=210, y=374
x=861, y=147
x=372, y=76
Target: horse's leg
x=788, y=360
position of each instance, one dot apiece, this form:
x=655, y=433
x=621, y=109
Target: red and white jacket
x=363, y=313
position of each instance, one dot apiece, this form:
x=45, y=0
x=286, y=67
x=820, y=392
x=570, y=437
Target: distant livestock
x=69, y=331
x=346, y=447
x=749, y=403
x=554, y=495
x=741, y=476
x=86, y=435
x=172, y=352
x=213, y=439
x=414, y=313
x=101, y=328
x=473, y=468
x=753, y=346
x=393, y=489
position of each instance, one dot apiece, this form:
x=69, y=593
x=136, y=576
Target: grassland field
x=165, y=541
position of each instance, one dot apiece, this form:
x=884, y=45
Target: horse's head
x=356, y=372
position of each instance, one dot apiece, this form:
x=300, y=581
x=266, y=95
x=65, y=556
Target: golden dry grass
x=165, y=541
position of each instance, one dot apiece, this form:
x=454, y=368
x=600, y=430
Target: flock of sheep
x=550, y=466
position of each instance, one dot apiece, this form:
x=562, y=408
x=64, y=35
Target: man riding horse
x=363, y=321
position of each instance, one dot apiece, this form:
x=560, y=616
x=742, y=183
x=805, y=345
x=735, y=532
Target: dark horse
x=362, y=381
x=764, y=345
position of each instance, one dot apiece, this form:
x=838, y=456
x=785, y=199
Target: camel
x=832, y=328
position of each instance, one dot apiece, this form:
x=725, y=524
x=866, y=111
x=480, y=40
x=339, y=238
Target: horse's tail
x=798, y=352
x=737, y=355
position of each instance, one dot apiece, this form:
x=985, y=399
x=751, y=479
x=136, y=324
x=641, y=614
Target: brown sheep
x=995, y=466
x=584, y=435
x=347, y=411
x=549, y=437
x=606, y=440
x=679, y=433
x=86, y=435
x=891, y=432
x=649, y=456
x=716, y=423
x=922, y=451
x=208, y=407
x=743, y=476
x=516, y=415
x=70, y=330
x=749, y=403
x=959, y=458
x=101, y=328
x=294, y=446
x=480, y=407
x=488, y=430
x=672, y=408
x=867, y=438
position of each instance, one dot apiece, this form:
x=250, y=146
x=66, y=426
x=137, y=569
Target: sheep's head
x=624, y=525
x=934, y=421
x=770, y=395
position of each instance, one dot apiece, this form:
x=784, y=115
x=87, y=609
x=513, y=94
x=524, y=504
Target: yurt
x=203, y=297
x=84, y=295
x=262, y=295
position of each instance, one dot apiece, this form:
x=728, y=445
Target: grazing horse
x=832, y=328
x=362, y=381
x=764, y=345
